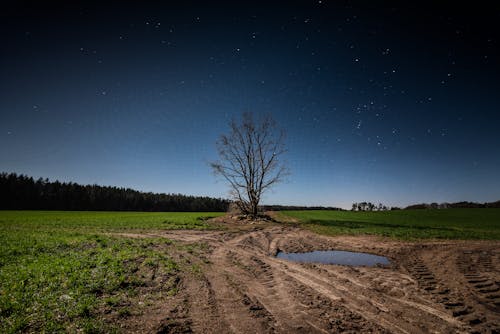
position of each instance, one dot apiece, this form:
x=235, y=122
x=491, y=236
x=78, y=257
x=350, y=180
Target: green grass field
x=60, y=271
x=405, y=224
x=67, y=272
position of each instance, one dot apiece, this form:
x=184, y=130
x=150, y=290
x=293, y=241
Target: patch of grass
x=196, y=270
x=99, y=221
x=405, y=224
x=60, y=270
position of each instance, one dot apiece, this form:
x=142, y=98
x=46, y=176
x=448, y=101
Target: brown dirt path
x=431, y=287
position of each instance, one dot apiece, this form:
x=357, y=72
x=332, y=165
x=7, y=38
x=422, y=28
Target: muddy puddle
x=336, y=257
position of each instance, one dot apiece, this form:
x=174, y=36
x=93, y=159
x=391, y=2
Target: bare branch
x=249, y=160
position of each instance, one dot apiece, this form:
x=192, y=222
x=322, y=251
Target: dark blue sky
x=380, y=103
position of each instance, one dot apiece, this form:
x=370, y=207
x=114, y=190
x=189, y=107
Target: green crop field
x=61, y=271
x=72, y=272
x=405, y=224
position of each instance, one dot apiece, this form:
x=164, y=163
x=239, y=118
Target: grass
x=62, y=271
x=104, y=221
x=405, y=224
x=69, y=272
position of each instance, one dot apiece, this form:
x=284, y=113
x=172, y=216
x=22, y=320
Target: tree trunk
x=255, y=209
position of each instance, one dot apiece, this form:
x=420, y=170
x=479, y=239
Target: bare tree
x=249, y=160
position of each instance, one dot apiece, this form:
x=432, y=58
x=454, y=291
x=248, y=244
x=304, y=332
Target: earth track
x=431, y=287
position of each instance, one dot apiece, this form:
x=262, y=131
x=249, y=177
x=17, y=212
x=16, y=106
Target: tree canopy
x=250, y=160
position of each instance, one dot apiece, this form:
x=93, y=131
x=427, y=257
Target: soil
x=430, y=286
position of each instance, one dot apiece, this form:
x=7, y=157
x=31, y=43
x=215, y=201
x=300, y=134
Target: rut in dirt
x=245, y=289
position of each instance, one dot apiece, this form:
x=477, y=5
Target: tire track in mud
x=380, y=308
x=243, y=288
x=306, y=293
x=302, y=307
x=465, y=291
x=255, y=280
x=441, y=293
x=478, y=269
x=204, y=309
x=298, y=307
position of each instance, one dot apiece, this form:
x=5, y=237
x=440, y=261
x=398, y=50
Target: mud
x=430, y=287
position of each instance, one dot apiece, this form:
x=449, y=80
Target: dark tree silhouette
x=249, y=160
x=368, y=206
x=20, y=192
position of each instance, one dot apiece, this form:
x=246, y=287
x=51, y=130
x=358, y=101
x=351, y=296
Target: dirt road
x=431, y=287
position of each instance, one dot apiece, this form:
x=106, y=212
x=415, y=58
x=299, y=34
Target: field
x=123, y=272
x=405, y=224
x=62, y=270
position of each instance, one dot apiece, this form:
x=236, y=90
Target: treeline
x=20, y=192
x=296, y=208
x=369, y=206
x=457, y=205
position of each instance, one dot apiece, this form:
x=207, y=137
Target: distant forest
x=457, y=205
x=368, y=206
x=20, y=192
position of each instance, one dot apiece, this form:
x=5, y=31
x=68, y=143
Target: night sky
x=380, y=103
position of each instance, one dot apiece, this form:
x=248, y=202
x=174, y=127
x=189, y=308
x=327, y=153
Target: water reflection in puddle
x=336, y=257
